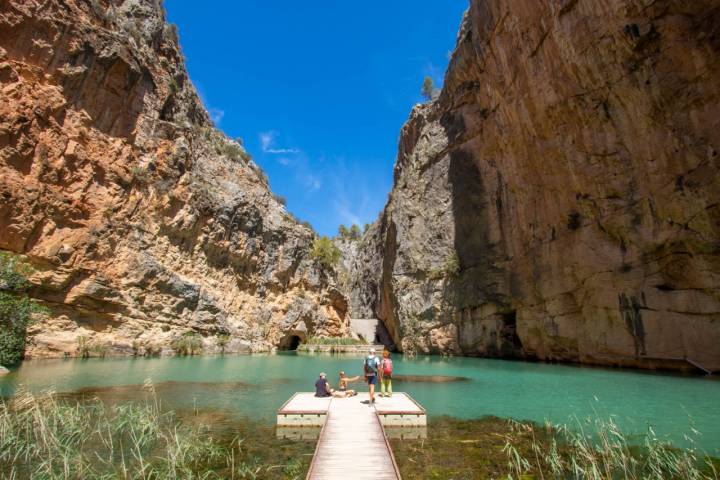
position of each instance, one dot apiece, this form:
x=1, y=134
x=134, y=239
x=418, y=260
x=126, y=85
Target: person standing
x=386, y=371
x=371, y=366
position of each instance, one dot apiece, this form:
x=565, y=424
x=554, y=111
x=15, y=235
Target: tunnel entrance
x=509, y=332
x=289, y=342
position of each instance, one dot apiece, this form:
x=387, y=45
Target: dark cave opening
x=510, y=329
x=289, y=343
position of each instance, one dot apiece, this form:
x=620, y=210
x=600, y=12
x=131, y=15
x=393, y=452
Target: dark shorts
x=372, y=379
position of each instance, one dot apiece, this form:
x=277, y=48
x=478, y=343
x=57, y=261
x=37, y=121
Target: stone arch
x=291, y=340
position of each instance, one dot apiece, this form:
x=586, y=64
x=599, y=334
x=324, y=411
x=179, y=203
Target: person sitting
x=322, y=387
x=343, y=390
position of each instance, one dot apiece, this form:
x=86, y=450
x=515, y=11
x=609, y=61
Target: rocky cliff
x=560, y=200
x=142, y=220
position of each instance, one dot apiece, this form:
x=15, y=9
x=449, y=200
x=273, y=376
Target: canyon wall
x=142, y=220
x=560, y=200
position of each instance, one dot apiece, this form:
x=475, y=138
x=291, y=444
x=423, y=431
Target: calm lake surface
x=255, y=386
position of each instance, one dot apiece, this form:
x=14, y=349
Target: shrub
x=232, y=150
x=99, y=350
x=189, y=344
x=325, y=252
x=335, y=341
x=366, y=227
x=83, y=347
x=16, y=308
x=280, y=199
x=140, y=174
x=428, y=88
x=355, y=232
x=452, y=265
x=451, y=268
x=343, y=231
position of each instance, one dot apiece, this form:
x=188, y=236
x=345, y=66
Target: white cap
x=372, y=350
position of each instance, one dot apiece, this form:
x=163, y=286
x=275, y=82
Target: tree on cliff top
x=355, y=232
x=16, y=308
x=325, y=252
x=428, y=88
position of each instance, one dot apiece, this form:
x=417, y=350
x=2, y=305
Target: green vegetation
x=231, y=150
x=189, y=344
x=352, y=233
x=140, y=174
x=280, y=199
x=86, y=348
x=325, y=252
x=222, y=342
x=46, y=438
x=496, y=448
x=428, y=88
x=16, y=308
x=450, y=269
x=366, y=227
x=334, y=341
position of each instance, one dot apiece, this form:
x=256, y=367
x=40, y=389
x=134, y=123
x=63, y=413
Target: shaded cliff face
x=561, y=199
x=143, y=221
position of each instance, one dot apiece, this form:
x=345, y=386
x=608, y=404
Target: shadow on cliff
x=477, y=209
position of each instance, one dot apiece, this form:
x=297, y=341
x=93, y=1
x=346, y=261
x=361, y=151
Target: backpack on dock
x=371, y=366
x=387, y=367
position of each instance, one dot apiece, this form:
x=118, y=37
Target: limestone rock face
x=143, y=221
x=560, y=200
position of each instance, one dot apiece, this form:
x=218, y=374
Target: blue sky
x=318, y=90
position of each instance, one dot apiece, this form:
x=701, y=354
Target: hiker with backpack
x=386, y=371
x=371, y=366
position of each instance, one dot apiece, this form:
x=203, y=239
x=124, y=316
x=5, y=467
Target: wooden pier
x=353, y=441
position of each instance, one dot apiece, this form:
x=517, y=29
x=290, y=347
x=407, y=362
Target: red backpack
x=387, y=366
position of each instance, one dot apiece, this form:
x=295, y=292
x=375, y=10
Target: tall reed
x=596, y=449
x=42, y=437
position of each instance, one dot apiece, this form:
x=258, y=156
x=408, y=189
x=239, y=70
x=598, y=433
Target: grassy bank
x=44, y=437
x=494, y=448
x=334, y=341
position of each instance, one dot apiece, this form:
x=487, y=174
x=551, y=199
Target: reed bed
x=597, y=449
x=335, y=341
x=593, y=449
x=42, y=437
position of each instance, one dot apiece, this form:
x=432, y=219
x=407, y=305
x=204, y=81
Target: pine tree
x=428, y=88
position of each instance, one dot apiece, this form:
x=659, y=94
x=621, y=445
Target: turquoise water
x=256, y=385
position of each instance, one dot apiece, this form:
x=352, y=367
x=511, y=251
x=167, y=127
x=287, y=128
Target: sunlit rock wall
x=561, y=199
x=143, y=221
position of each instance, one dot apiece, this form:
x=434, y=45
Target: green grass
x=593, y=450
x=43, y=437
x=334, y=341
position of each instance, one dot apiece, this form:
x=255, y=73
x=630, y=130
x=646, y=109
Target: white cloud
x=267, y=143
x=284, y=161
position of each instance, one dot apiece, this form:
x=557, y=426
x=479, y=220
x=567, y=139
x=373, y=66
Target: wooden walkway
x=353, y=444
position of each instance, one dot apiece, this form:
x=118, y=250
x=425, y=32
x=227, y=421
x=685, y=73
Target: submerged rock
x=3, y=371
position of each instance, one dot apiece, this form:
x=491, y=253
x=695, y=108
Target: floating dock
x=353, y=435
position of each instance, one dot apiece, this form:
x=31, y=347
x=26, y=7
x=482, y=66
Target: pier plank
x=352, y=444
